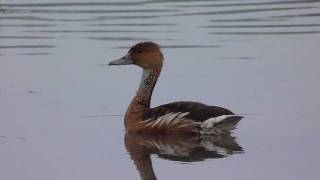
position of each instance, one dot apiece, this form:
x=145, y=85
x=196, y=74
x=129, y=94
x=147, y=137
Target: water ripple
x=134, y=24
x=26, y=46
x=70, y=4
x=242, y=11
x=263, y=26
x=93, y=11
x=118, y=38
x=27, y=25
x=128, y=17
x=299, y=15
x=35, y=18
x=178, y=22
x=266, y=33
x=247, y=20
x=177, y=46
x=248, y=4
x=25, y=37
x=96, y=31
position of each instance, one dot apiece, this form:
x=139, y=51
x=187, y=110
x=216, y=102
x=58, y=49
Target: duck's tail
x=220, y=125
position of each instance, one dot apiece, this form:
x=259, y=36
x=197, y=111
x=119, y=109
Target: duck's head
x=147, y=55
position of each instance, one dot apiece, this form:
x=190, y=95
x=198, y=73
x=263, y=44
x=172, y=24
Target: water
x=61, y=107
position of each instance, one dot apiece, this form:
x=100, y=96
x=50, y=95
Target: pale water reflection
x=61, y=108
x=179, y=148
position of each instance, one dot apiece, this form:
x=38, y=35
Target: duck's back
x=195, y=116
x=198, y=112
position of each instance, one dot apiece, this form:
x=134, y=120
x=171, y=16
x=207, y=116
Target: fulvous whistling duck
x=177, y=117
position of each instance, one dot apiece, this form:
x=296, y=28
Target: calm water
x=61, y=107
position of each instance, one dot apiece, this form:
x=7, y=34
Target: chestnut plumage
x=177, y=117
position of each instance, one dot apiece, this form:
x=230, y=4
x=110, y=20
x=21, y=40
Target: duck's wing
x=195, y=111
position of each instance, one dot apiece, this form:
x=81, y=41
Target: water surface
x=61, y=107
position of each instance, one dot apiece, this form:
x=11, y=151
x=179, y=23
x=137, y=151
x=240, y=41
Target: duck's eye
x=140, y=51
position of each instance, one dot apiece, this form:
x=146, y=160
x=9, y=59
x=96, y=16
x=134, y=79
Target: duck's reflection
x=182, y=148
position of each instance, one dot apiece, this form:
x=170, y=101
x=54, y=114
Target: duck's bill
x=125, y=60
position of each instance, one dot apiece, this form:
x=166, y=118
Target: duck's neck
x=148, y=81
x=141, y=102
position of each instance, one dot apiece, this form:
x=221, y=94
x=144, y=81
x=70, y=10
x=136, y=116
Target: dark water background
x=61, y=107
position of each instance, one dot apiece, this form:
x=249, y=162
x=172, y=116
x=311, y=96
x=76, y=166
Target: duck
x=184, y=117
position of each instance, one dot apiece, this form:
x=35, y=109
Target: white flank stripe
x=169, y=119
x=177, y=121
x=184, y=125
x=212, y=121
